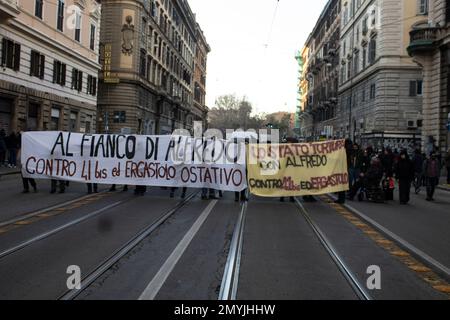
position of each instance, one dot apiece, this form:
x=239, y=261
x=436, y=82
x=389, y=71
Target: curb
x=443, y=188
x=9, y=173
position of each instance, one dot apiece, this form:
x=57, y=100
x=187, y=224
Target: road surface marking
x=160, y=278
x=428, y=275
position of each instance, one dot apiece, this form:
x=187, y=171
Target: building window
x=92, y=37
x=143, y=63
x=119, y=117
x=77, y=79
x=88, y=124
x=10, y=54
x=78, y=26
x=73, y=123
x=60, y=18
x=38, y=8
x=37, y=68
x=92, y=85
x=372, y=50
x=415, y=88
x=55, y=120
x=372, y=91
x=364, y=57
x=356, y=63
x=59, y=73
x=363, y=95
x=422, y=6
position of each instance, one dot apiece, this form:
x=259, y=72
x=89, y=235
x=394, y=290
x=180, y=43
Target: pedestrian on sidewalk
x=348, y=150
x=447, y=165
x=11, y=144
x=432, y=173
x=355, y=164
x=404, y=173
x=3, y=148
x=418, y=169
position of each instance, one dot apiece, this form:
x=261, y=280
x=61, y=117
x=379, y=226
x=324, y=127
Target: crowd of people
x=378, y=170
x=367, y=170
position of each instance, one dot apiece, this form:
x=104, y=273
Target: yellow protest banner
x=284, y=170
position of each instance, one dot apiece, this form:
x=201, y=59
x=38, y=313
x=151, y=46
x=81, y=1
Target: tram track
x=230, y=280
x=109, y=262
x=56, y=230
x=351, y=278
x=43, y=211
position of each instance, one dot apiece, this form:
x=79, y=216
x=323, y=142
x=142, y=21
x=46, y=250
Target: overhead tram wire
x=272, y=24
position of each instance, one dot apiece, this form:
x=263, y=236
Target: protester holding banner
x=164, y=161
x=303, y=169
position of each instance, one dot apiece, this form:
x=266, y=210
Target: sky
x=253, y=45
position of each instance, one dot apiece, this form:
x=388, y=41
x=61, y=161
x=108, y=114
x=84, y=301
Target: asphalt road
x=185, y=257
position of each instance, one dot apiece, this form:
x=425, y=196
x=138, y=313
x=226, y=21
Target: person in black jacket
x=348, y=150
x=404, y=173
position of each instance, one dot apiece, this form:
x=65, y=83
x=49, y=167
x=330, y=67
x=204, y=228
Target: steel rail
x=103, y=267
x=26, y=216
x=437, y=266
x=230, y=279
x=47, y=234
x=345, y=270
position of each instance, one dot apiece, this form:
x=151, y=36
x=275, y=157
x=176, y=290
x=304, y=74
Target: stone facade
x=320, y=78
x=42, y=49
x=201, y=60
x=380, y=87
x=148, y=60
x=429, y=46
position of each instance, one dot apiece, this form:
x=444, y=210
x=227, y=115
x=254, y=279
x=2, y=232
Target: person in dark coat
x=418, y=169
x=3, y=148
x=447, y=165
x=348, y=150
x=12, y=145
x=92, y=187
x=387, y=161
x=432, y=172
x=372, y=177
x=404, y=173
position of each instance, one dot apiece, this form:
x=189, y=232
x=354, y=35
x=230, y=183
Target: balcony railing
x=9, y=9
x=422, y=40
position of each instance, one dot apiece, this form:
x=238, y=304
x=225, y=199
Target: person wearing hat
x=404, y=173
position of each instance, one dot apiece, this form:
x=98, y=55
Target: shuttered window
x=37, y=68
x=59, y=73
x=10, y=54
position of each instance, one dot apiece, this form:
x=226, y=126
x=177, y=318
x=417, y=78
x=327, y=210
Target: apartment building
x=429, y=46
x=380, y=87
x=49, y=65
x=322, y=70
x=148, y=58
x=202, y=49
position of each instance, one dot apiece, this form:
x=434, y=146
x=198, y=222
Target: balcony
x=422, y=40
x=8, y=9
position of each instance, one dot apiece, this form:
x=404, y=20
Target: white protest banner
x=166, y=161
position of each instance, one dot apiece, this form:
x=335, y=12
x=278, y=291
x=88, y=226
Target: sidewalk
x=445, y=187
x=7, y=171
